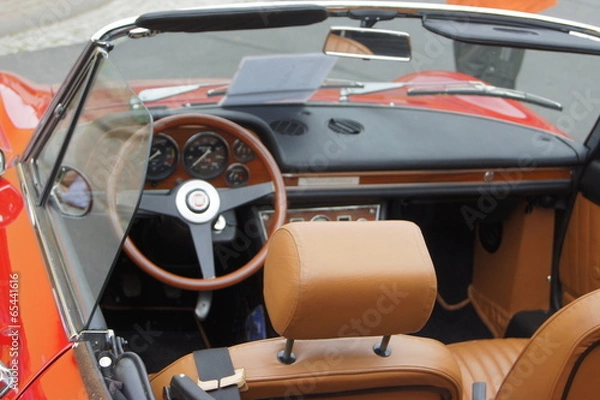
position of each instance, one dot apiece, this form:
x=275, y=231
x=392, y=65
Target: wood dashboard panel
x=257, y=171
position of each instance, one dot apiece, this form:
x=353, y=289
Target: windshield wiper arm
x=334, y=84
x=155, y=94
x=480, y=89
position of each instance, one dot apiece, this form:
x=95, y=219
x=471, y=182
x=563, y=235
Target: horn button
x=197, y=201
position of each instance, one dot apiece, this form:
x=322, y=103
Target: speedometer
x=163, y=157
x=205, y=155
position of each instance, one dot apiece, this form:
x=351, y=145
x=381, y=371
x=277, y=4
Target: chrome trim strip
x=122, y=27
x=438, y=188
x=95, y=61
x=2, y=163
x=7, y=381
x=425, y=185
x=64, y=94
x=114, y=30
x=67, y=305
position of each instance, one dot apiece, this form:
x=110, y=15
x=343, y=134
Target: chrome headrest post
x=286, y=356
x=382, y=349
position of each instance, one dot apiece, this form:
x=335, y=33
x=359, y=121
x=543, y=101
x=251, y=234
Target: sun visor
x=233, y=18
x=514, y=36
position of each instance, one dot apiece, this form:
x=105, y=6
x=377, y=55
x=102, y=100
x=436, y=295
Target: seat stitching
x=476, y=362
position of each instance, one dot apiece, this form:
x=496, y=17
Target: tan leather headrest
x=333, y=279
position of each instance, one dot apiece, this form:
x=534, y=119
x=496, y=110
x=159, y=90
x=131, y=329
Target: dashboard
x=341, y=163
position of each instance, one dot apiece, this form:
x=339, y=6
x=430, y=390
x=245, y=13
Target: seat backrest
x=336, y=289
x=562, y=359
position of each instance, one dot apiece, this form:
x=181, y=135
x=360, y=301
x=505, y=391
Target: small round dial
x=205, y=155
x=242, y=152
x=237, y=175
x=163, y=157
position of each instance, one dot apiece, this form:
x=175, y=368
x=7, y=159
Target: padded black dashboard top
x=400, y=138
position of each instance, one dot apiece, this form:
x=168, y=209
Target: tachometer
x=205, y=155
x=163, y=157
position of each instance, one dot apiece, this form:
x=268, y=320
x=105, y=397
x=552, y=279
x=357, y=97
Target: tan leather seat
x=560, y=361
x=336, y=289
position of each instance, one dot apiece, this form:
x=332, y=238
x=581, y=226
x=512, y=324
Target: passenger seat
x=560, y=361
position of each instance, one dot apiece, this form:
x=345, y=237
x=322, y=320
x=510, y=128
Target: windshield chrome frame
x=68, y=309
x=407, y=9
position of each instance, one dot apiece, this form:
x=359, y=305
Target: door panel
x=579, y=268
x=515, y=277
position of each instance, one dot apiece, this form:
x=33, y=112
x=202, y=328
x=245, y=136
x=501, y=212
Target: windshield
x=98, y=182
x=550, y=90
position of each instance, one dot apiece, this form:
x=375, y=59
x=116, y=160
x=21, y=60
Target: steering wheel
x=198, y=204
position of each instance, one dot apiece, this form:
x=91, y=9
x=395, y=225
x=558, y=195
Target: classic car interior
x=412, y=248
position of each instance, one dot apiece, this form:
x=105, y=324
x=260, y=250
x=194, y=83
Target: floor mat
x=455, y=326
x=158, y=337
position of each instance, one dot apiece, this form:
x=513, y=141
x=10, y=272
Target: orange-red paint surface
x=532, y=6
x=488, y=107
x=36, y=335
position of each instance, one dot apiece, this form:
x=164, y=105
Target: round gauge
x=242, y=152
x=205, y=155
x=237, y=175
x=163, y=157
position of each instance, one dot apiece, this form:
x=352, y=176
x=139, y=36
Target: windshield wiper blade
x=358, y=88
x=161, y=93
x=480, y=89
x=330, y=84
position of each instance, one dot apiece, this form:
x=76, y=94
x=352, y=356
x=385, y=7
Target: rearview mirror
x=368, y=44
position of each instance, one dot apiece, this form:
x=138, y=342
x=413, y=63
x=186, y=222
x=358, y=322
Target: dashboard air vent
x=345, y=126
x=290, y=127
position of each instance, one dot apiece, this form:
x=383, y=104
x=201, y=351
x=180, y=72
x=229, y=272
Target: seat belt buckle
x=237, y=379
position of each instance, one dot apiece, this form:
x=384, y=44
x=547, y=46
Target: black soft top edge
x=226, y=19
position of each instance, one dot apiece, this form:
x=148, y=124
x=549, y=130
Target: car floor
x=450, y=243
x=158, y=337
x=455, y=326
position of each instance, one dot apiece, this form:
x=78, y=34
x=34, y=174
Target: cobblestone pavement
x=55, y=23
x=20, y=15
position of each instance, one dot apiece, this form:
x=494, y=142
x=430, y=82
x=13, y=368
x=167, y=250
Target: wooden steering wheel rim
x=280, y=205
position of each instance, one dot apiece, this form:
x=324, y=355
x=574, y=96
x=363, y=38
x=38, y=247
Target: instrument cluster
x=205, y=155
